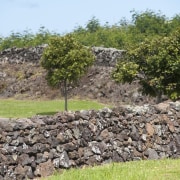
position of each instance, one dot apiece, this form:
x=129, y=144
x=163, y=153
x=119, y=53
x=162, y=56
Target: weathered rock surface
x=37, y=146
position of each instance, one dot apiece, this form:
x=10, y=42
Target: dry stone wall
x=37, y=146
x=107, y=56
x=21, y=55
x=104, y=56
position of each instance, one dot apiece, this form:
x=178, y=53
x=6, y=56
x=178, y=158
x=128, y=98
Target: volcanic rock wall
x=104, y=56
x=37, y=146
x=21, y=55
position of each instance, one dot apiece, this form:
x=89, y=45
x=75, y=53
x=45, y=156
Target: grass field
x=23, y=108
x=137, y=170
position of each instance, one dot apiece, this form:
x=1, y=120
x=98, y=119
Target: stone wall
x=21, y=55
x=104, y=56
x=35, y=147
x=107, y=56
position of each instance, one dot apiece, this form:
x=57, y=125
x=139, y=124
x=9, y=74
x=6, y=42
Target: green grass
x=137, y=170
x=23, y=108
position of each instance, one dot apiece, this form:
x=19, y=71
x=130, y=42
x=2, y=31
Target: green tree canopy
x=121, y=35
x=150, y=22
x=65, y=60
x=155, y=64
x=93, y=25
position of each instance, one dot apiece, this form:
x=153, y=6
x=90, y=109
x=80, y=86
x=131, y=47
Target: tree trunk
x=65, y=96
x=159, y=97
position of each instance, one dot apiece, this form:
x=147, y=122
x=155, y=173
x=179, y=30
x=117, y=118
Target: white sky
x=63, y=16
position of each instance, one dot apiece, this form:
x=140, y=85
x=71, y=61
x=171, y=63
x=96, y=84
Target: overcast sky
x=63, y=16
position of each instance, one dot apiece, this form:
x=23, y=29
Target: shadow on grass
x=47, y=113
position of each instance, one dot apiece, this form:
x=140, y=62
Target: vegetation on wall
x=26, y=39
x=121, y=35
x=127, y=33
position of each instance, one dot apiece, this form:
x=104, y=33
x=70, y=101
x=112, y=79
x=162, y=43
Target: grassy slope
x=15, y=108
x=138, y=170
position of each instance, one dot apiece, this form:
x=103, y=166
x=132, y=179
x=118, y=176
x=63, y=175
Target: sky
x=63, y=16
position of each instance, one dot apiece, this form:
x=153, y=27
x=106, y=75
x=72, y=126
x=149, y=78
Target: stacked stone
x=37, y=146
x=21, y=55
x=107, y=57
x=104, y=56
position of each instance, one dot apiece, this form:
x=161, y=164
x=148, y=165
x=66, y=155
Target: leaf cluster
x=65, y=59
x=155, y=64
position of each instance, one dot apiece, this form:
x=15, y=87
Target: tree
x=150, y=22
x=66, y=61
x=93, y=25
x=174, y=22
x=156, y=66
